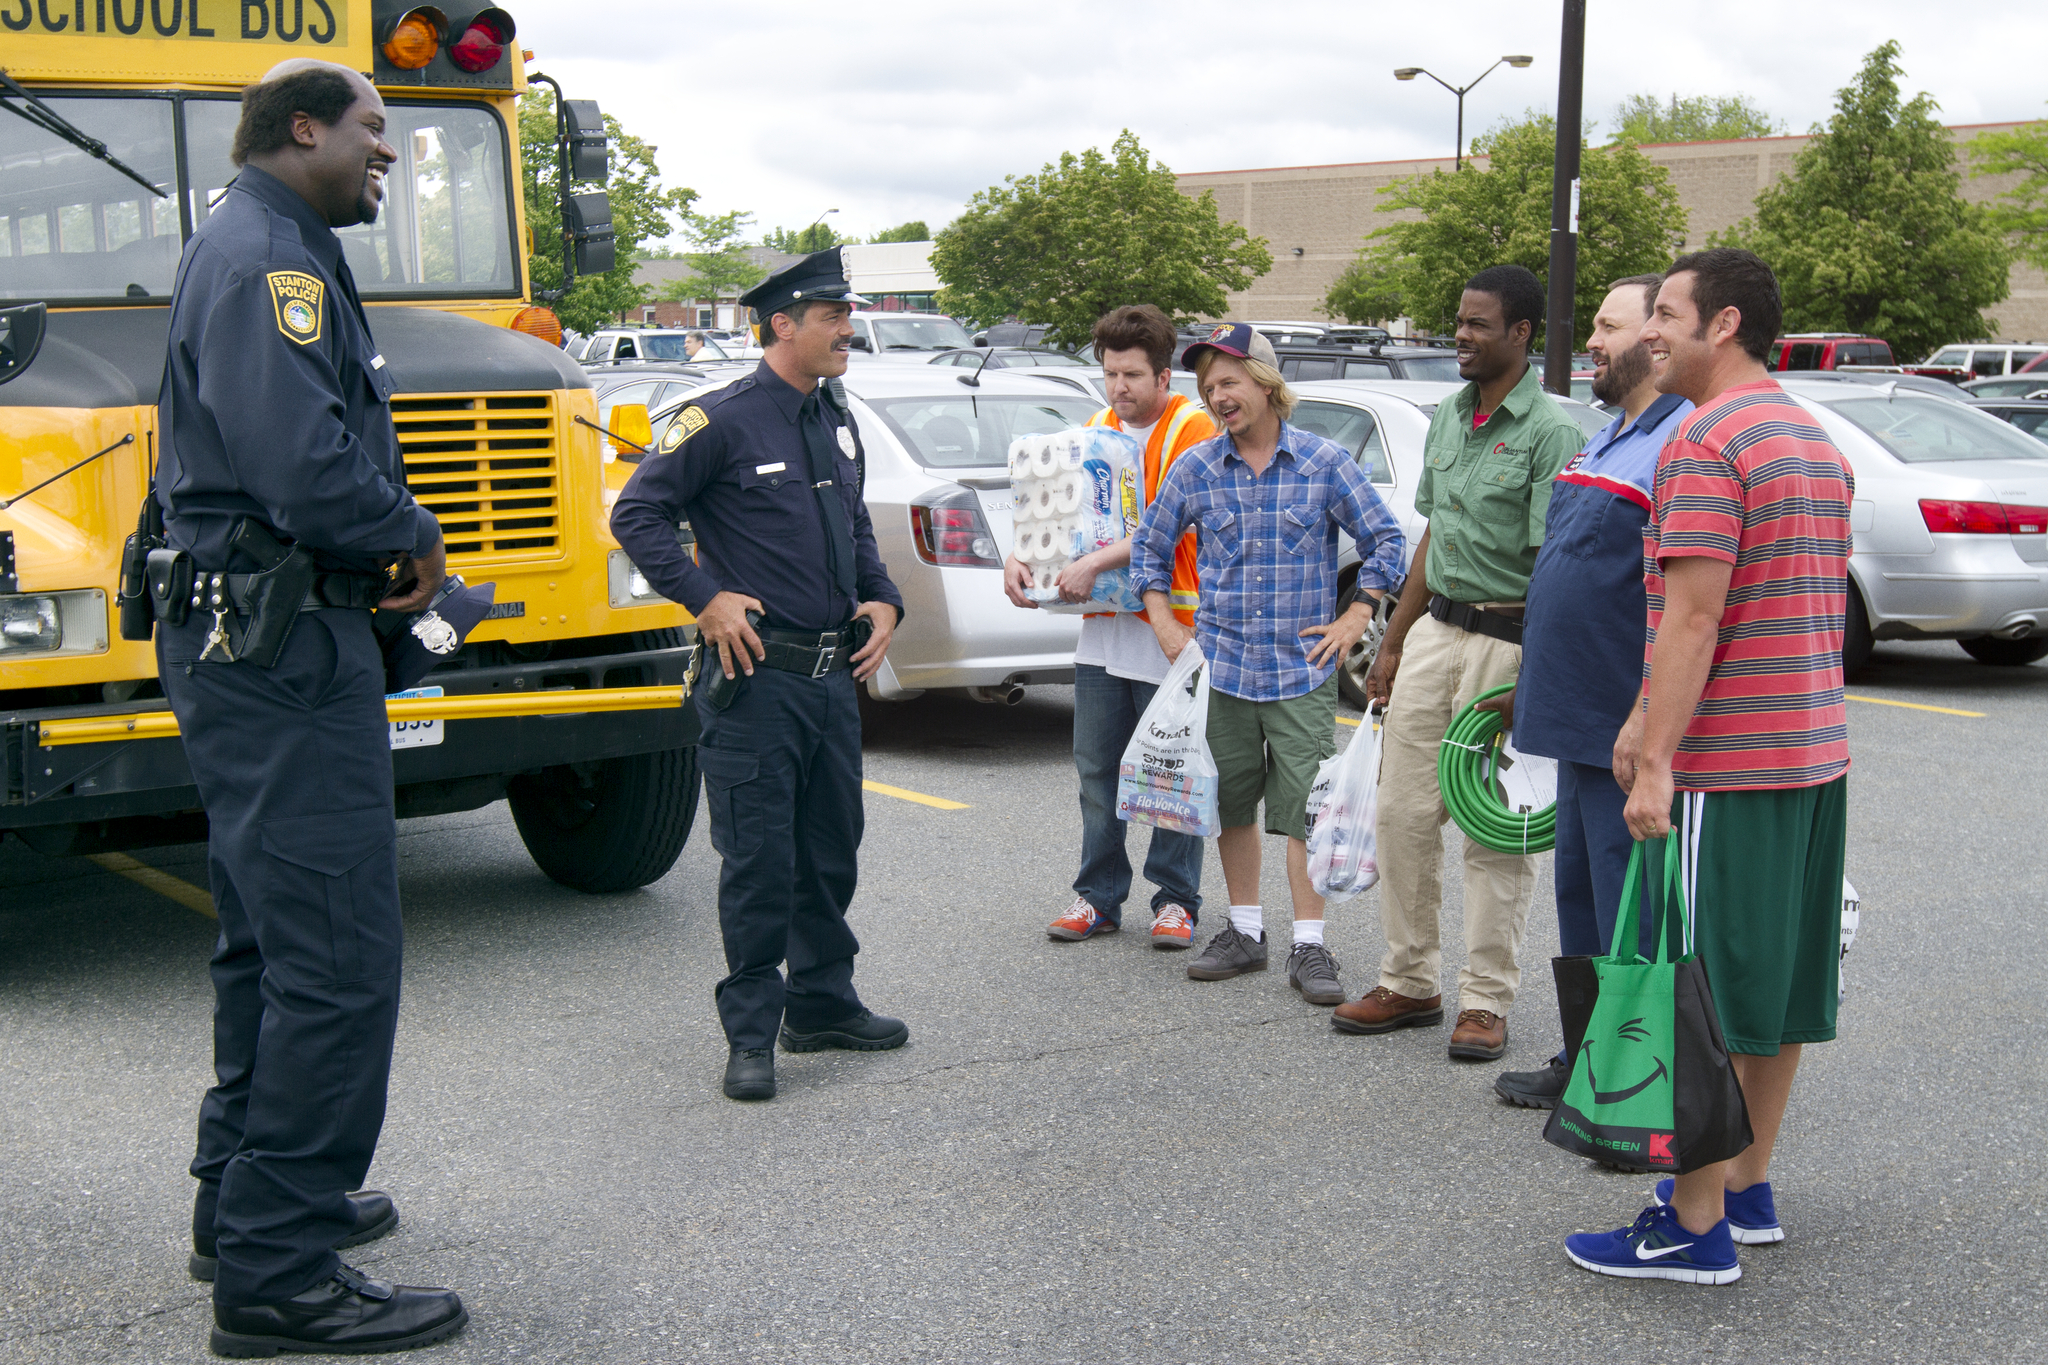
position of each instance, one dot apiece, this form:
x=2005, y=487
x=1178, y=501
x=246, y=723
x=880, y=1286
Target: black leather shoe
x=1534, y=1089
x=865, y=1032
x=347, y=1313
x=375, y=1216
x=750, y=1074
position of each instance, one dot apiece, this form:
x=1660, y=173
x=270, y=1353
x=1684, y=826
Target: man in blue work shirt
x=767, y=471
x=1582, y=640
x=277, y=431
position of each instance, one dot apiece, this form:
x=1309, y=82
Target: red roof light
x=483, y=43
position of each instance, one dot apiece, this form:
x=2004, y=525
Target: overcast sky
x=898, y=109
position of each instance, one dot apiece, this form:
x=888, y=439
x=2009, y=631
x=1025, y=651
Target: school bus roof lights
x=483, y=40
x=414, y=36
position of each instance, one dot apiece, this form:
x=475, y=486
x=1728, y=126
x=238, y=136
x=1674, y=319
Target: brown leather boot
x=1380, y=1010
x=1481, y=1036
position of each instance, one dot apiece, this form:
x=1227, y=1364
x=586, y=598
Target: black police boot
x=864, y=1032
x=750, y=1074
x=1534, y=1089
x=348, y=1313
x=375, y=1216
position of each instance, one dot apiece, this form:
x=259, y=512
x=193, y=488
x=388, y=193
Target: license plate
x=416, y=734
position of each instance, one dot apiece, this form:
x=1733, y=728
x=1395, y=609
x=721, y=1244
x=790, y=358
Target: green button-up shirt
x=1485, y=492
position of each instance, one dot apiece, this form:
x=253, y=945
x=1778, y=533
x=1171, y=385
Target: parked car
x=650, y=384
x=1292, y=333
x=1305, y=363
x=911, y=335
x=938, y=490
x=635, y=343
x=1011, y=334
x=2008, y=386
x=1950, y=522
x=1057, y=366
x=1983, y=360
x=2030, y=417
x=1828, y=351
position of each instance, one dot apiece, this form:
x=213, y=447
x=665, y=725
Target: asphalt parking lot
x=1081, y=1156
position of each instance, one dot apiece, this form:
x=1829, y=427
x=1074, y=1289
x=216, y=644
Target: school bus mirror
x=21, y=337
x=589, y=149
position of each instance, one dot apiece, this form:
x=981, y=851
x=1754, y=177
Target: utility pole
x=1564, y=200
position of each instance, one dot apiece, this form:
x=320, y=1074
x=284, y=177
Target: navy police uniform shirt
x=275, y=403
x=735, y=466
x=1582, y=632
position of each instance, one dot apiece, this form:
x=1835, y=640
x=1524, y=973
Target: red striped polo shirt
x=1752, y=480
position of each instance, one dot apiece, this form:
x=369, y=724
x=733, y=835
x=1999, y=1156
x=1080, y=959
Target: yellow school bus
x=116, y=119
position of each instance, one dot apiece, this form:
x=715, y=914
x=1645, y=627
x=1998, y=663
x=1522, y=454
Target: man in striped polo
x=1741, y=741
x=1117, y=661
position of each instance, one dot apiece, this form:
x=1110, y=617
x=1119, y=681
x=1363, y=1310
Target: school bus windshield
x=73, y=229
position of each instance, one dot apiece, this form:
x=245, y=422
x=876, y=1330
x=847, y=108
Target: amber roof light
x=415, y=38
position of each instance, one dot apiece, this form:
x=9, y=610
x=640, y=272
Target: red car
x=1829, y=351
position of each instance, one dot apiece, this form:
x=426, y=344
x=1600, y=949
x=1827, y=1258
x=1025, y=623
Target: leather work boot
x=864, y=1032
x=347, y=1313
x=375, y=1216
x=1481, y=1036
x=750, y=1074
x=1381, y=1010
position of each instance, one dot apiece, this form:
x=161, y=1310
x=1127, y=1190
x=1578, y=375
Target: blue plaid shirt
x=1266, y=549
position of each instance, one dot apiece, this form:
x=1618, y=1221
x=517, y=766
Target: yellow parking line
x=1916, y=706
x=163, y=883
x=936, y=802
x=1346, y=720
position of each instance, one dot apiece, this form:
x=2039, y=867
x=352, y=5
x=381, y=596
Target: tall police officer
x=766, y=471
x=277, y=433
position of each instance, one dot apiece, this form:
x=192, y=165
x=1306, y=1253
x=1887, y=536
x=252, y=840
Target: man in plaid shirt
x=1267, y=500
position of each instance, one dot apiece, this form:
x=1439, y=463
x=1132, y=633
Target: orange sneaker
x=1082, y=920
x=1172, y=928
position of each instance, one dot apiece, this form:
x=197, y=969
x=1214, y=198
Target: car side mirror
x=629, y=426
x=21, y=337
x=859, y=344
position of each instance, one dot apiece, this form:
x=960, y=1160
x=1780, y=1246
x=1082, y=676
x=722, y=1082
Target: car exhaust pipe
x=1007, y=694
x=2018, y=630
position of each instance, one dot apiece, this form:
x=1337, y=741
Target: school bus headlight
x=629, y=587
x=54, y=623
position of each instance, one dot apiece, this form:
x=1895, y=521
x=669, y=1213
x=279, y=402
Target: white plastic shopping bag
x=1168, y=778
x=1074, y=492
x=1343, y=807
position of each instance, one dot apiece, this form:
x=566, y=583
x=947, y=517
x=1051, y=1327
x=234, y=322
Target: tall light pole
x=1564, y=201
x=1409, y=73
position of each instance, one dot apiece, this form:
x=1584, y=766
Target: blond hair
x=1260, y=373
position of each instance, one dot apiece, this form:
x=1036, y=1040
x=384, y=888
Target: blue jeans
x=1106, y=711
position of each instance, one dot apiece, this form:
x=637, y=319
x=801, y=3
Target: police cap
x=820, y=275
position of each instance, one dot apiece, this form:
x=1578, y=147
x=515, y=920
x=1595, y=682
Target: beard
x=1624, y=373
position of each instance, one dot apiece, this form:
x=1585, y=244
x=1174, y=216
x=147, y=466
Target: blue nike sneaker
x=1752, y=1217
x=1657, y=1247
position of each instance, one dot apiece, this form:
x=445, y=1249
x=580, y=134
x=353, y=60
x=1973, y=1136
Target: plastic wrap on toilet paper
x=1074, y=492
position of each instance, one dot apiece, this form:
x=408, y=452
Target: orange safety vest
x=1181, y=425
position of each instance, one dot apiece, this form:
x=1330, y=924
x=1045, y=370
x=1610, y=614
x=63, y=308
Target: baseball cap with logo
x=1233, y=339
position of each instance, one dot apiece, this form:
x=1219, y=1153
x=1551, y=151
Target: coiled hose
x=1465, y=772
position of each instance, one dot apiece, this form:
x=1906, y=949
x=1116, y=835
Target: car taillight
x=949, y=529
x=1983, y=518
x=415, y=38
x=539, y=322
x=482, y=43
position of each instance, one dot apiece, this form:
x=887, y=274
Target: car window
x=1317, y=369
x=1802, y=355
x=1591, y=420
x=1368, y=369
x=1442, y=369
x=918, y=334
x=625, y=393
x=1987, y=362
x=658, y=347
x=1919, y=430
x=1182, y=382
x=625, y=350
x=975, y=431
x=1950, y=355
x=1056, y=358
x=1353, y=428
x=2022, y=359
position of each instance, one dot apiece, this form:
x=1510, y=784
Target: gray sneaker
x=1228, y=954
x=1312, y=971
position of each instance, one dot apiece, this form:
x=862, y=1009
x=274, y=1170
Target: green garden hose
x=1465, y=772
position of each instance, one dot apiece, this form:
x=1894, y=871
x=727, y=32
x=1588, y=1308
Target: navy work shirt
x=1582, y=633
x=735, y=466
x=275, y=403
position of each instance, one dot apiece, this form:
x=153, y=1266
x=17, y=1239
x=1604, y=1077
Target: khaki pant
x=1442, y=670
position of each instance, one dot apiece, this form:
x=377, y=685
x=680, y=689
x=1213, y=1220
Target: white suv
x=912, y=336
x=1985, y=361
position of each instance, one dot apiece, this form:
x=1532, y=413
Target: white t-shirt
x=1123, y=644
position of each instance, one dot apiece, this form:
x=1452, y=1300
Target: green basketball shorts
x=1763, y=874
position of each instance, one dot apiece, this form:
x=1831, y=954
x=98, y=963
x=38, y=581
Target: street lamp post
x=1409, y=73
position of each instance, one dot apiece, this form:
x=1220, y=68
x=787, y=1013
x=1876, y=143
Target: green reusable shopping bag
x=1651, y=1083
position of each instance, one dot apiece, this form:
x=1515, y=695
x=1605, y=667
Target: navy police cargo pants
x=293, y=765
x=782, y=778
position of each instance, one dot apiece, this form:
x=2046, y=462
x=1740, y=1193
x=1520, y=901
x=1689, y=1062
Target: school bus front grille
x=486, y=465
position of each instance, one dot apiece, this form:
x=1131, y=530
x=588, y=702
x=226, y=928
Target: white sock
x=1249, y=920
x=1308, y=931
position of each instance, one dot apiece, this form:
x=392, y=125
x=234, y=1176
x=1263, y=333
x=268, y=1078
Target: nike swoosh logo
x=1644, y=1253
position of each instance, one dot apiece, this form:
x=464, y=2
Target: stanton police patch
x=688, y=423
x=296, y=297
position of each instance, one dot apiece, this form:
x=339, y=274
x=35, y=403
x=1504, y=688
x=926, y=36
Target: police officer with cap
x=287, y=520
x=794, y=609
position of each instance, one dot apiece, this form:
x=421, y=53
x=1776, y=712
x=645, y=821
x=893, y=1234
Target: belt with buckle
x=809, y=652
x=1475, y=620
x=347, y=591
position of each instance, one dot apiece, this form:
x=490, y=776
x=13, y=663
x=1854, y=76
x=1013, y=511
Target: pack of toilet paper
x=1074, y=492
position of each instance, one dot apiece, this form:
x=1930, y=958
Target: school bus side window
x=73, y=227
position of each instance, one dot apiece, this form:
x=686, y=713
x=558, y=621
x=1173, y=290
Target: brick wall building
x=722, y=314
x=1316, y=217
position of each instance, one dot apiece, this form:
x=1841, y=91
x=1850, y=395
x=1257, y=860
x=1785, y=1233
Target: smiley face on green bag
x=1632, y=1032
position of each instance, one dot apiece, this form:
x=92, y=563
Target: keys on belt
x=1487, y=621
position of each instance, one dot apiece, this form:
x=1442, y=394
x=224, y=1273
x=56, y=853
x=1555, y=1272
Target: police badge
x=414, y=644
x=437, y=635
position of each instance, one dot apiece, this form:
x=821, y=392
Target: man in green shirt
x=1491, y=454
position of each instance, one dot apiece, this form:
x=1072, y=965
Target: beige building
x=1316, y=217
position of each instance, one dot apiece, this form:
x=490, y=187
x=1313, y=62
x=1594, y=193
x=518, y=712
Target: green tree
x=642, y=211
x=2019, y=151
x=720, y=264
x=1088, y=234
x=1699, y=118
x=1630, y=223
x=912, y=231
x=1870, y=232
x=803, y=241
